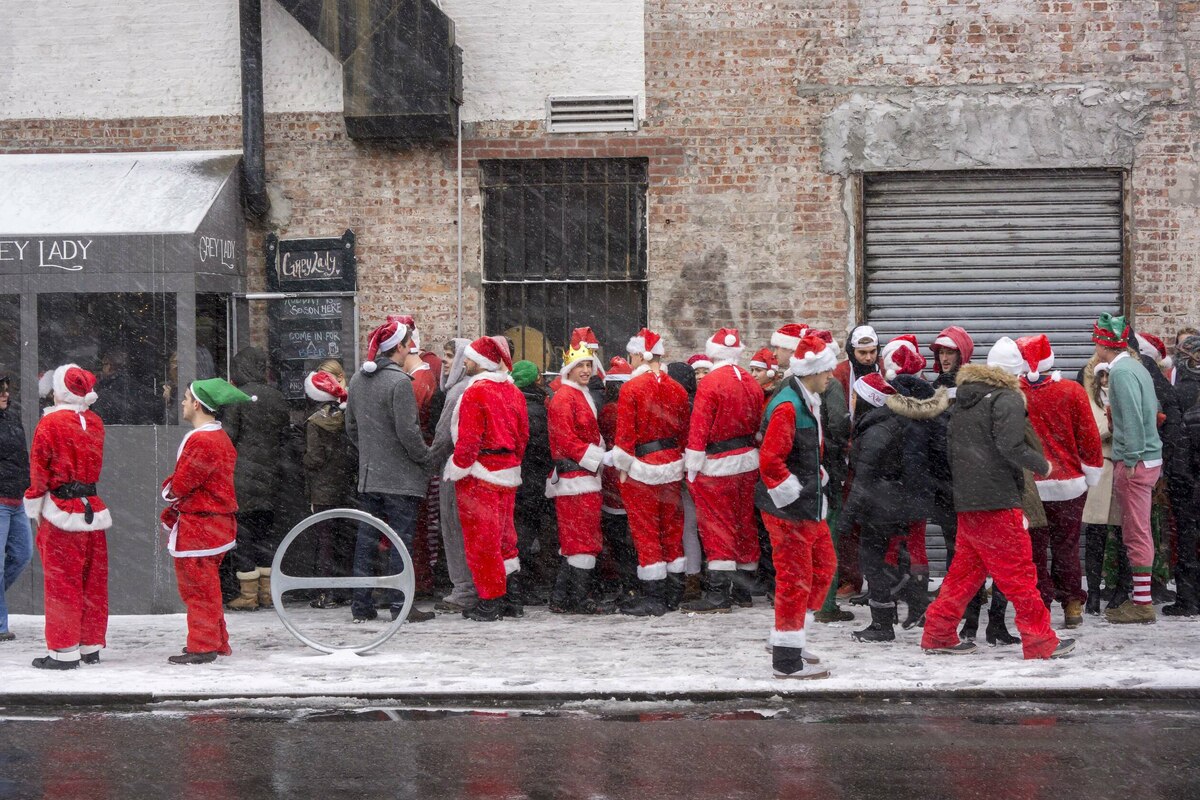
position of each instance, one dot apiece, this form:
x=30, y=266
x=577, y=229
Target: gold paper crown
x=571, y=355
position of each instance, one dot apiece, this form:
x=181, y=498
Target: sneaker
x=960, y=649
x=1065, y=647
x=367, y=616
x=414, y=614
x=1073, y=613
x=1130, y=612
x=837, y=615
x=805, y=673
x=1176, y=609
x=192, y=658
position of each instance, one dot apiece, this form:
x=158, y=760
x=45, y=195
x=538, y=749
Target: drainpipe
x=254, y=165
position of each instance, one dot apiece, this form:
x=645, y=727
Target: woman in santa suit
x=70, y=520
x=578, y=452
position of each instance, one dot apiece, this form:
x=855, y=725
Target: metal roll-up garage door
x=999, y=253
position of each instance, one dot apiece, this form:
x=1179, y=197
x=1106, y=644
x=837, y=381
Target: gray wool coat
x=381, y=419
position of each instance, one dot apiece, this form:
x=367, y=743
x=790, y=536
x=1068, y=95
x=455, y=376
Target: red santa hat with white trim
x=389, y=335
x=324, y=388
x=647, y=343
x=812, y=355
x=1152, y=346
x=724, y=345
x=584, y=337
x=765, y=359
x=1037, y=353
x=74, y=385
x=491, y=353
x=902, y=356
x=414, y=344
x=700, y=361
x=619, y=370
x=874, y=389
x=789, y=335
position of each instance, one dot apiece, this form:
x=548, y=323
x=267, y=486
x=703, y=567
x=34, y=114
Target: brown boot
x=1130, y=612
x=1073, y=613
x=264, y=588
x=248, y=599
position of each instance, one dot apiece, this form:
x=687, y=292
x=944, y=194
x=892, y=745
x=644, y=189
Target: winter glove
x=608, y=459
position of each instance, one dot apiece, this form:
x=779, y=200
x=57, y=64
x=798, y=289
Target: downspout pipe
x=254, y=162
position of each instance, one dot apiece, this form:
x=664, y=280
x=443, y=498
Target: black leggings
x=255, y=540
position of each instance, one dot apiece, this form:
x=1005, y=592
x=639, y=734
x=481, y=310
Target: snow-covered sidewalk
x=551, y=656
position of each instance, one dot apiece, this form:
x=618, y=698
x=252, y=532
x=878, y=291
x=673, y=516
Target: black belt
x=78, y=491
x=496, y=451
x=726, y=445
x=653, y=447
x=567, y=465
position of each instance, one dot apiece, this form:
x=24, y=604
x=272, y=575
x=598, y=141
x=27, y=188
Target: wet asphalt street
x=817, y=749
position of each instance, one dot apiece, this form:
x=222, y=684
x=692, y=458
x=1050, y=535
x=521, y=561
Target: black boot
x=1186, y=604
x=742, y=588
x=1093, y=602
x=485, y=610
x=583, y=599
x=880, y=629
x=673, y=593
x=917, y=598
x=1093, y=564
x=651, y=603
x=997, y=632
x=788, y=662
x=717, y=597
x=970, y=628
x=46, y=662
x=562, y=597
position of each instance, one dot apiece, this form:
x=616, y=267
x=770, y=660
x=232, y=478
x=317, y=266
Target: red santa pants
x=996, y=543
x=725, y=511
x=1062, y=580
x=76, y=582
x=199, y=582
x=489, y=534
x=579, y=524
x=805, y=562
x=655, y=513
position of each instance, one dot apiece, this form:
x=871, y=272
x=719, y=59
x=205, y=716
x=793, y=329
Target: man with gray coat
x=463, y=595
x=382, y=421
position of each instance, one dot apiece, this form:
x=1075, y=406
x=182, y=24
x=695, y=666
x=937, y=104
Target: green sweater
x=1134, y=413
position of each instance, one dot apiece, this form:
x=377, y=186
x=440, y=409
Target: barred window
x=564, y=245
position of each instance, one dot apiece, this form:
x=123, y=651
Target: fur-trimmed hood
x=912, y=408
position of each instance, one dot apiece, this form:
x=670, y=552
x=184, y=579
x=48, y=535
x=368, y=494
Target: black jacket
x=1176, y=465
x=835, y=423
x=256, y=430
x=987, y=439
x=330, y=460
x=14, y=457
x=536, y=466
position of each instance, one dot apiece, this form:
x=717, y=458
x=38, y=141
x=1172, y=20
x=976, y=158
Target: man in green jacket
x=1137, y=458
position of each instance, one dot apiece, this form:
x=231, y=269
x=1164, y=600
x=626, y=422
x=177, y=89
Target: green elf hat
x=213, y=393
x=1110, y=331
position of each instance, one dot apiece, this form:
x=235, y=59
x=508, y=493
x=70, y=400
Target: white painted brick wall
x=104, y=59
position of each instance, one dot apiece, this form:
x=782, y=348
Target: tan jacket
x=1102, y=507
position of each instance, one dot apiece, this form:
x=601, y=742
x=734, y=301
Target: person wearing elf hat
x=490, y=431
x=721, y=460
x=578, y=452
x=1137, y=454
x=1061, y=415
x=989, y=453
x=70, y=519
x=201, y=519
x=764, y=368
x=613, y=518
x=652, y=420
x=790, y=495
x=331, y=471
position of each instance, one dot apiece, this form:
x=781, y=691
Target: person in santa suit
x=586, y=337
x=1061, y=415
x=490, y=430
x=652, y=420
x=721, y=460
x=764, y=368
x=70, y=519
x=578, y=453
x=201, y=519
x=790, y=493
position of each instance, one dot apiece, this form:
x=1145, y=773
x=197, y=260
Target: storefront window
x=10, y=342
x=127, y=340
x=212, y=334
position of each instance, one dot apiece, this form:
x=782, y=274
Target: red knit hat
x=812, y=355
x=902, y=356
x=489, y=353
x=1037, y=353
x=324, y=388
x=789, y=335
x=75, y=385
x=647, y=343
x=724, y=345
x=765, y=359
x=619, y=370
x=386, y=337
x=874, y=389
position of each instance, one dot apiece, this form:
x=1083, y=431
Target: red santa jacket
x=610, y=479
x=425, y=384
x=1062, y=416
x=574, y=436
x=792, y=480
x=68, y=447
x=490, y=429
x=725, y=419
x=200, y=518
x=652, y=412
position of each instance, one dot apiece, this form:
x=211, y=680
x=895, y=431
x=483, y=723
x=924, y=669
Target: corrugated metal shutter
x=999, y=253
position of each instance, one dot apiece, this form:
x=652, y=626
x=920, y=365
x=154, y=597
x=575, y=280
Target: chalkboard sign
x=302, y=308
x=305, y=345
x=311, y=265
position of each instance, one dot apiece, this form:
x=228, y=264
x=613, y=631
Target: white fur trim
x=473, y=355
x=722, y=566
x=759, y=365
x=453, y=472
x=621, y=460
x=593, y=457
x=719, y=352
x=794, y=639
x=509, y=476
x=748, y=566
x=783, y=340
x=1092, y=474
x=395, y=339
x=869, y=393
x=70, y=654
x=173, y=538
x=638, y=345
x=693, y=460
x=656, y=474
x=582, y=561
x=569, y=487
x=812, y=363
x=1066, y=489
x=88, y=649
x=74, y=523
x=785, y=493
x=313, y=392
x=617, y=377
x=512, y=565
x=33, y=506
x=59, y=382
x=704, y=363
x=652, y=572
x=723, y=465
x=678, y=565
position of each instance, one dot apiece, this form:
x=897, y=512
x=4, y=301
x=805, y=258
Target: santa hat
x=619, y=370
x=1111, y=332
x=700, y=361
x=584, y=337
x=387, y=336
x=1037, y=353
x=1007, y=356
x=1152, y=346
x=812, y=355
x=75, y=385
x=324, y=388
x=765, y=359
x=902, y=356
x=647, y=343
x=411, y=324
x=864, y=336
x=827, y=337
x=789, y=336
x=489, y=352
x=725, y=345
x=874, y=389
